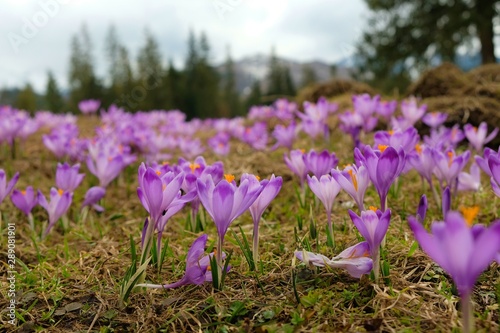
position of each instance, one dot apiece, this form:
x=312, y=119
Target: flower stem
x=330, y=228
x=255, y=248
x=376, y=264
x=220, y=241
x=467, y=313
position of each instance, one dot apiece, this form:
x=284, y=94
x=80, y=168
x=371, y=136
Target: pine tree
x=149, y=94
x=82, y=79
x=255, y=96
x=232, y=101
x=202, y=96
x=53, y=99
x=409, y=35
x=121, y=80
x=279, y=79
x=308, y=76
x=26, y=100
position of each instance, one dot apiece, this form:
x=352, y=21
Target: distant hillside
x=252, y=68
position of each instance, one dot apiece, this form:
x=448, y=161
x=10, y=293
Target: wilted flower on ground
x=355, y=259
x=372, y=225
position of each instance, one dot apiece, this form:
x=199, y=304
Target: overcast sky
x=35, y=34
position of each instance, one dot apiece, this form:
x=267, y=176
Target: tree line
x=198, y=89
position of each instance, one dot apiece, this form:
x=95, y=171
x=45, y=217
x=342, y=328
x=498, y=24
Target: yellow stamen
x=418, y=148
x=23, y=192
x=469, y=214
x=391, y=132
x=382, y=148
x=229, y=178
x=258, y=178
x=158, y=172
x=373, y=209
x=475, y=129
x=194, y=166
x=353, y=178
x=60, y=191
x=302, y=151
x=165, y=163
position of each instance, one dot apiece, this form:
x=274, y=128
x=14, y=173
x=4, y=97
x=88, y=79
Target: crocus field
x=367, y=216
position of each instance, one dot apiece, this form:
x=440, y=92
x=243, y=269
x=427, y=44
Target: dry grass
x=70, y=281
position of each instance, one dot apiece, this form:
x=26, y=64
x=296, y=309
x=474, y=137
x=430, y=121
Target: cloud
x=303, y=30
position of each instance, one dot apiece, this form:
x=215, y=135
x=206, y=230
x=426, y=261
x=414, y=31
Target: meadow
x=88, y=268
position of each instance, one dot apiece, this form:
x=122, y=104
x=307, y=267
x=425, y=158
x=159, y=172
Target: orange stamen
x=60, y=191
x=418, y=148
x=229, y=178
x=373, y=209
x=382, y=148
x=23, y=192
x=450, y=158
x=158, y=172
x=391, y=132
x=469, y=214
x=258, y=178
x=353, y=178
x=194, y=166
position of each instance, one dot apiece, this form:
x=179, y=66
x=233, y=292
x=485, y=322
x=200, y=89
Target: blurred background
x=212, y=58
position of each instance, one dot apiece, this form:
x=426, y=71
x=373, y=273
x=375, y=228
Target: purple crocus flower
x=383, y=168
x=93, y=196
x=494, y=166
x=67, y=177
x=270, y=191
x=365, y=105
x=106, y=168
x=320, y=163
x=89, y=106
x=5, y=187
x=482, y=162
x=470, y=181
x=60, y=201
x=225, y=202
x=326, y=189
x=386, y=109
x=411, y=111
x=434, y=119
x=219, y=143
x=422, y=208
x=397, y=139
x=197, y=267
x=463, y=252
x=354, y=180
x=24, y=200
x=285, y=136
x=449, y=165
x=372, y=225
x=295, y=163
x=354, y=259
x=423, y=162
x=477, y=135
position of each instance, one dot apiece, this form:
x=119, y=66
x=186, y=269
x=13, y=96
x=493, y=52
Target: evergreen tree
x=121, y=80
x=279, y=79
x=202, y=82
x=53, y=99
x=308, y=76
x=232, y=102
x=175, y=87
x=149, y=93
x=82, y=79
x=26, y=100
x=255, y=96
x=406, y=35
